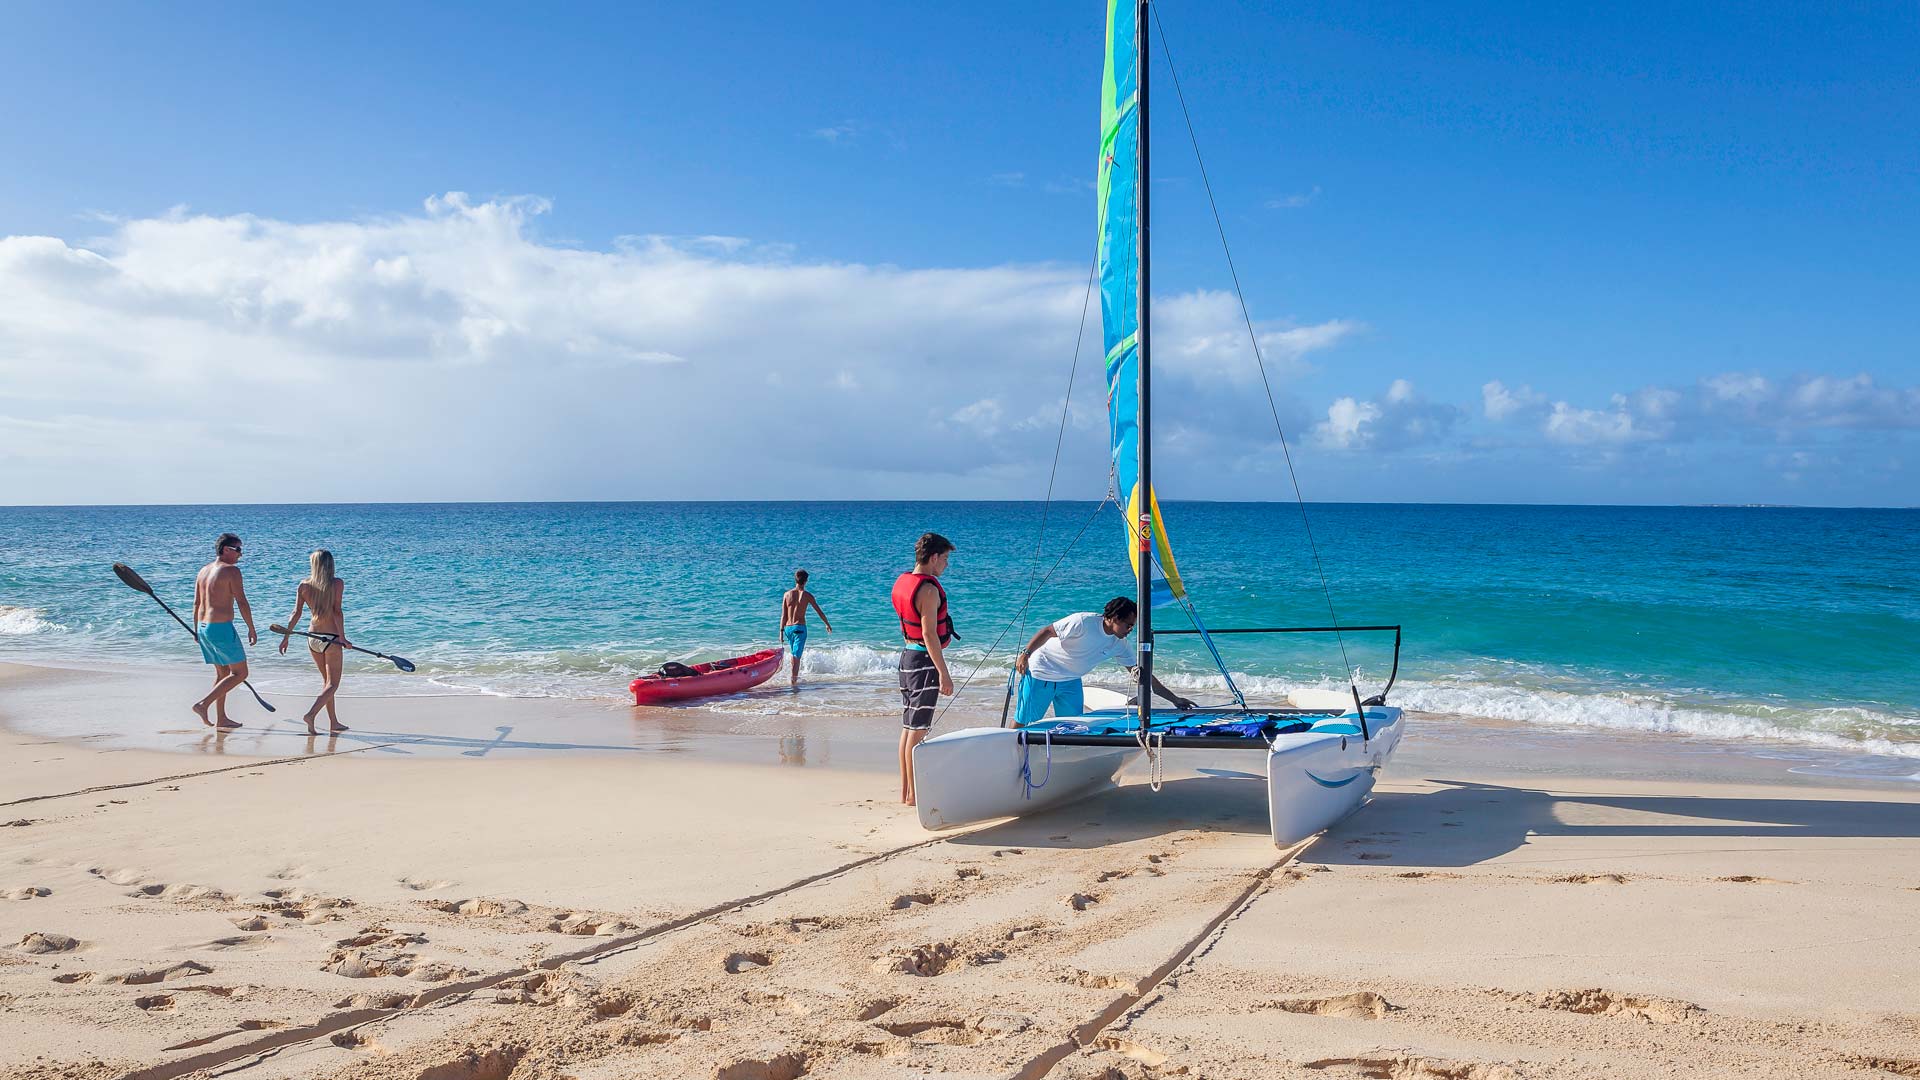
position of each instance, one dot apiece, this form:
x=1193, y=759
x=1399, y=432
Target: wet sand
x=592, y=892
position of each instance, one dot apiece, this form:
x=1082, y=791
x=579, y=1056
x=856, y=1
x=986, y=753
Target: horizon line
x=929, y=502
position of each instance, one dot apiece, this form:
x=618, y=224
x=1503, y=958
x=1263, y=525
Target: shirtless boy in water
x=793, y=622
x=216, y=589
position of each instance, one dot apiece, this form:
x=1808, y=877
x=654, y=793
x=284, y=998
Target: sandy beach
x=525, y=900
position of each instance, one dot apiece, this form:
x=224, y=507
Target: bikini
x=316, y=645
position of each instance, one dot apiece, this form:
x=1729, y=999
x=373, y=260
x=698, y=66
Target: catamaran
x=1323, y=748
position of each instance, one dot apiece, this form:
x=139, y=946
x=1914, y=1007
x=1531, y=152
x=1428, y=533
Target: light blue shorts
x=796, y=638
x=220, y=644
x=1067, y=698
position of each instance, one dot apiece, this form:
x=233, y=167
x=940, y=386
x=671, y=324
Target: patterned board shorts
x=919, y=689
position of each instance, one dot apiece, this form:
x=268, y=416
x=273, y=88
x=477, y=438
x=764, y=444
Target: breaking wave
x=21, y=621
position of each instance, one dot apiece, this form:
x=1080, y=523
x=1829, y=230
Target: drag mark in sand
x=1089, y=1033
x=189, y=776
x=356, y=1015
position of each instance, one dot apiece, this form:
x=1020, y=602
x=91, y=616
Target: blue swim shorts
x=796, y=638
x=1065, y=698
x=220, y=644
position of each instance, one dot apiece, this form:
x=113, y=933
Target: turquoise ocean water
x=1800, y=625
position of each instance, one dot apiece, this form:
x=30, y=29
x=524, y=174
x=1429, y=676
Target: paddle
x=400, y=662
x=139, y=584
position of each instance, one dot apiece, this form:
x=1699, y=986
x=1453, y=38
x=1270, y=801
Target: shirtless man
x=216, y=589
x=793, y=622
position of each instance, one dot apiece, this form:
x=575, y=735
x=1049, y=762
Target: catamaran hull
x=1315, y=779
x=976, y=774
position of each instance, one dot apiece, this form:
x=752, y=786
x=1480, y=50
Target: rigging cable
x=1254, y=339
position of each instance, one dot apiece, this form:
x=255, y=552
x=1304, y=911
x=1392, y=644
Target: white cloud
x=835, y=133
x=1345, y=420
x=1402, y=419
x=1203, y=335
x=476, y=361
x=1499, y=402
x=1295, y=201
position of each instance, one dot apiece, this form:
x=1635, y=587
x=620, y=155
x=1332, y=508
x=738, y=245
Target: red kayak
x=719, y=677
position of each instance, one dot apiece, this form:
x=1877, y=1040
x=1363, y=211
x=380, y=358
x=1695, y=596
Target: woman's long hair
x=321, y=579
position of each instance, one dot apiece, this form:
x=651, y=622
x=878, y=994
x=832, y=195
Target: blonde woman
x=323, y=593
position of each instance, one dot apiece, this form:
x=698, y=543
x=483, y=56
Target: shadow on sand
x=1461, y=824
x=1465, y=823
x=1229, y=804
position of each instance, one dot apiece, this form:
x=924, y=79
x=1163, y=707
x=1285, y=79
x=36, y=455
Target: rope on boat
x=1026, y=765
x=1155, y=744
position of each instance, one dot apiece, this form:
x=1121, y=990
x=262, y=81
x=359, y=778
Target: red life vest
x=906, y=588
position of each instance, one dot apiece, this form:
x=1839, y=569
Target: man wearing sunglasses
x=216, y=590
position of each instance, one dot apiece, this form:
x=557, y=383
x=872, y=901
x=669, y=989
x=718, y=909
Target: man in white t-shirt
x=1059, y=656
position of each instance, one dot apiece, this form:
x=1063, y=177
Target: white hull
x=974, y=775
x=1316, y=778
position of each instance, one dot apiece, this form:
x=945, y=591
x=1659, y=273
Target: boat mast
x=1144, y=489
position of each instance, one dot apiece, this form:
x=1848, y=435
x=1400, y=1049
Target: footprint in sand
x=185, y=969
x=809, y=924
x=1751, y=879
x=26, y=892
x=1399, y=1065
x=1110, y=875
x=740, y=962
x=869, y=1008
x=425, y=884
x=789, y=1066
x=966, y=873
x=117, y=877
x=238, y=943
x=1607, y=1003
x=1590, y=879
x=180, y=892
x=376, y=964
x=1004, y=852
x=478, y=907
x=938, y=1032
x=582, y=925
x=1359, y=1005
x=72, y=977
x=354, y=1040
x=39, y=943
x=154, y=1003
x=924, y=961
x=19, y=823
x=250, y=923
x=909, y=900
x=1102, y=982
x=1081, y=901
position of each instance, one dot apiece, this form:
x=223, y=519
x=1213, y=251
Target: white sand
x=659, y=913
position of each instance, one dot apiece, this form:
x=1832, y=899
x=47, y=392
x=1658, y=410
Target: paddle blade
x=278, y=629
x=401, y=662
x=134, y=581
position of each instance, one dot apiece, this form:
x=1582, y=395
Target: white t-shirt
x=1078, y=646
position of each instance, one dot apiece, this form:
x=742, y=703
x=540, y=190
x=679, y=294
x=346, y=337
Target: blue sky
x=1680, y=241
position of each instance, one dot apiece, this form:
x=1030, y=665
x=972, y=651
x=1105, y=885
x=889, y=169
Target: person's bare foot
x=337, y=727
x=201, y=712
x=226, y=724
x=309, y=720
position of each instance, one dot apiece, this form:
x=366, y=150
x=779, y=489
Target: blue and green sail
x=1118, y=198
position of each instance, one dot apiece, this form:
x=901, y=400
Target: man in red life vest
x=921, y=604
